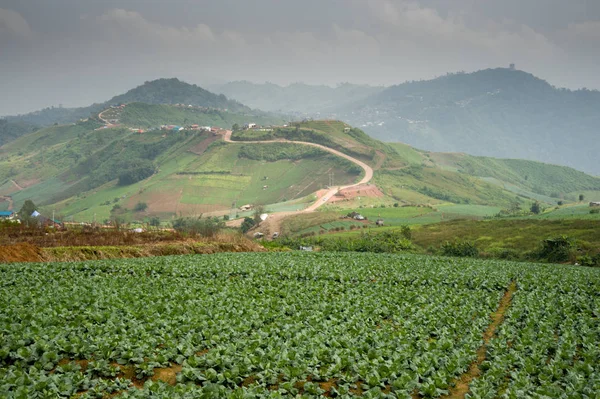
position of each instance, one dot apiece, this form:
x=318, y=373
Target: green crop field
x=289, y=324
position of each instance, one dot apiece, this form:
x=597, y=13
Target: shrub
x=557, y=249
x=588, y=260
x=247, y=224
x=140, y=207
x=155, y=222
x=594, y=211
x=460, y=248
x=208, y=227
x=136, y=171
x=406, y=232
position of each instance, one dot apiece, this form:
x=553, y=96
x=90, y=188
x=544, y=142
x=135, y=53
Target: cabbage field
x=299, y=325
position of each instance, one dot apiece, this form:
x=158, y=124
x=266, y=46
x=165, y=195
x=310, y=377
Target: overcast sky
x=75, y=52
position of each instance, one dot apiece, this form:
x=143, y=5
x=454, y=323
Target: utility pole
x=331, y=179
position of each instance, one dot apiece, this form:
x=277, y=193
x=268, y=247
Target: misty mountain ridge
x=296, y=98
x=500, y=112
x=159, y=91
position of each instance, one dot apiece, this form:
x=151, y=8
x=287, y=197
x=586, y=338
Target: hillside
x=297, y=98
x=174, y=91
x=160, y=91
x=12, y=130
x=496, y=112
x=545, y=179
x=87, y=170
x=84, y=171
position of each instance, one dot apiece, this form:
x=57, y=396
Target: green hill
x=545, y=179
x=84, y=170
x=12, y=130
x=160, y=91
x=496, y=112
x=174, y=91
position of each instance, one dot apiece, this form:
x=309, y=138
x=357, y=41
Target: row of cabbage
x=549, y=344
x=254, y=325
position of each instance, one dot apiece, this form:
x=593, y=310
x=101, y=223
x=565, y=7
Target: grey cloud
x=112, y=45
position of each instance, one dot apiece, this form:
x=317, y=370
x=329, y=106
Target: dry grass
x=11, y=234
x=25, y=252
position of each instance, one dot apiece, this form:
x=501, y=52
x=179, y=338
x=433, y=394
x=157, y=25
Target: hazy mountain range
x=496, y=112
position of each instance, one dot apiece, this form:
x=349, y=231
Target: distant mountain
x=174, y=91
x=161, y=91
x=496, y=112
x=296, y=98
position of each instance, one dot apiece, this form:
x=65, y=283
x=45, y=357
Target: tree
x=26, y=210
x=581, y=197
x=235, y=127
x=155, y=222
x=247, y=224
x=258, y=210
x=140, y=207
x=536, y=208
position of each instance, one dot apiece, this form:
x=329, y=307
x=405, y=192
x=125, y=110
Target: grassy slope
x=520, y=235
x=540, y=178
x=187, y=183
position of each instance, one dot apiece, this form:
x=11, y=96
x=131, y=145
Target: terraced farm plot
x=288, y=324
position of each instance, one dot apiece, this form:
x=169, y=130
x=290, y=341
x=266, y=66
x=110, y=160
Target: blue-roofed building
x=6, y=214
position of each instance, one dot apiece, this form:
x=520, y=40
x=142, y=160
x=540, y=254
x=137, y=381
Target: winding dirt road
x=273, y=222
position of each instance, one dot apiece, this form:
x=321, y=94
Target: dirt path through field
x=461, y=387
x=17, y=185
x=331, y=191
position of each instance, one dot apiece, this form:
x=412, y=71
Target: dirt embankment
x=30, y=253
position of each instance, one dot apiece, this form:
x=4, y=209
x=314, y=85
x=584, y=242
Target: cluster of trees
x=174, y=91
x=277, y=151
x=10, y=131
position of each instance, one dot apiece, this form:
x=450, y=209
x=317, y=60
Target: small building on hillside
x=249, y=125
x=379, y=222
x=7, y=215
x=595, y=203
